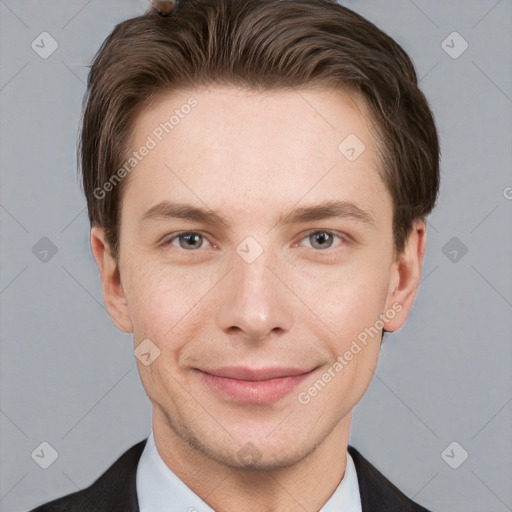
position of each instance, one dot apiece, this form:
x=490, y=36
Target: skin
x=252, y=157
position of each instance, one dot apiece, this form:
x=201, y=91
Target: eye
x=322, y=239
x=188, y=240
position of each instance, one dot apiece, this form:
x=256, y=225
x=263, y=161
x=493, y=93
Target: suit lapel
x=116, y=488
x=377, y=492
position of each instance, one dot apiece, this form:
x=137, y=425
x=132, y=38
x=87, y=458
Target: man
x=257, y=175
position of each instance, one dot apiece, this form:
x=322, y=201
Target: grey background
x=68, y=377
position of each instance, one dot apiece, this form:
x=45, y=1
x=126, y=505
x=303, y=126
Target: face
x=257, y=268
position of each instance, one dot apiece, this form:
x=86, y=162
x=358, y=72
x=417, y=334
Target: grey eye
x=321, y=240
x=190, y=241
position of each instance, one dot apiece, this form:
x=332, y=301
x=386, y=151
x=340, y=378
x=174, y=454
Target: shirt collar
x=158, y=487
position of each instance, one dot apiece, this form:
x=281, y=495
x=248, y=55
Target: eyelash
x=343, y=238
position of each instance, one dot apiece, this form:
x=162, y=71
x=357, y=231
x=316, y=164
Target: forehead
x=236, y=147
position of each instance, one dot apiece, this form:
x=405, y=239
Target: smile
x=251, y=386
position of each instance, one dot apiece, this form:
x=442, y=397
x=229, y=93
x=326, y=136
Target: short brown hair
x=258, y=45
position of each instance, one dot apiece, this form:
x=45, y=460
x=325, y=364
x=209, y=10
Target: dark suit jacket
x=115, y=490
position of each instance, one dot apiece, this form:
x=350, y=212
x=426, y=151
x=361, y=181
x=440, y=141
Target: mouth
x=253, y=385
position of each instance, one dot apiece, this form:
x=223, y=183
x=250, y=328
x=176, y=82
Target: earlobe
x=406, y=278
x=113, y=293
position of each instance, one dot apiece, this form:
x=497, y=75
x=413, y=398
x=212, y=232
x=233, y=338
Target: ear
x=113, y=294
x=406, y=277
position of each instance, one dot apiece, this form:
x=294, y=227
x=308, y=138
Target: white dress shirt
x=160, y=490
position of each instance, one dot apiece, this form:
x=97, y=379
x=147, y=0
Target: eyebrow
x=167, y=210
x=325, y=210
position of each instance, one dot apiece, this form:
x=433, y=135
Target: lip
x=254, y=385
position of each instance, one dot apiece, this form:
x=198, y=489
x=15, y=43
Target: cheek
x=162, y=298
x=347, y=298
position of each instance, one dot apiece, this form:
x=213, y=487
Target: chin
x=251, y=458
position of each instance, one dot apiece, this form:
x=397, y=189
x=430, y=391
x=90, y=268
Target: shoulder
x=114, y=490
x=377, y=492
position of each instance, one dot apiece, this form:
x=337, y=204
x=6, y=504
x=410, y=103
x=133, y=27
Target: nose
x=254, y=303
